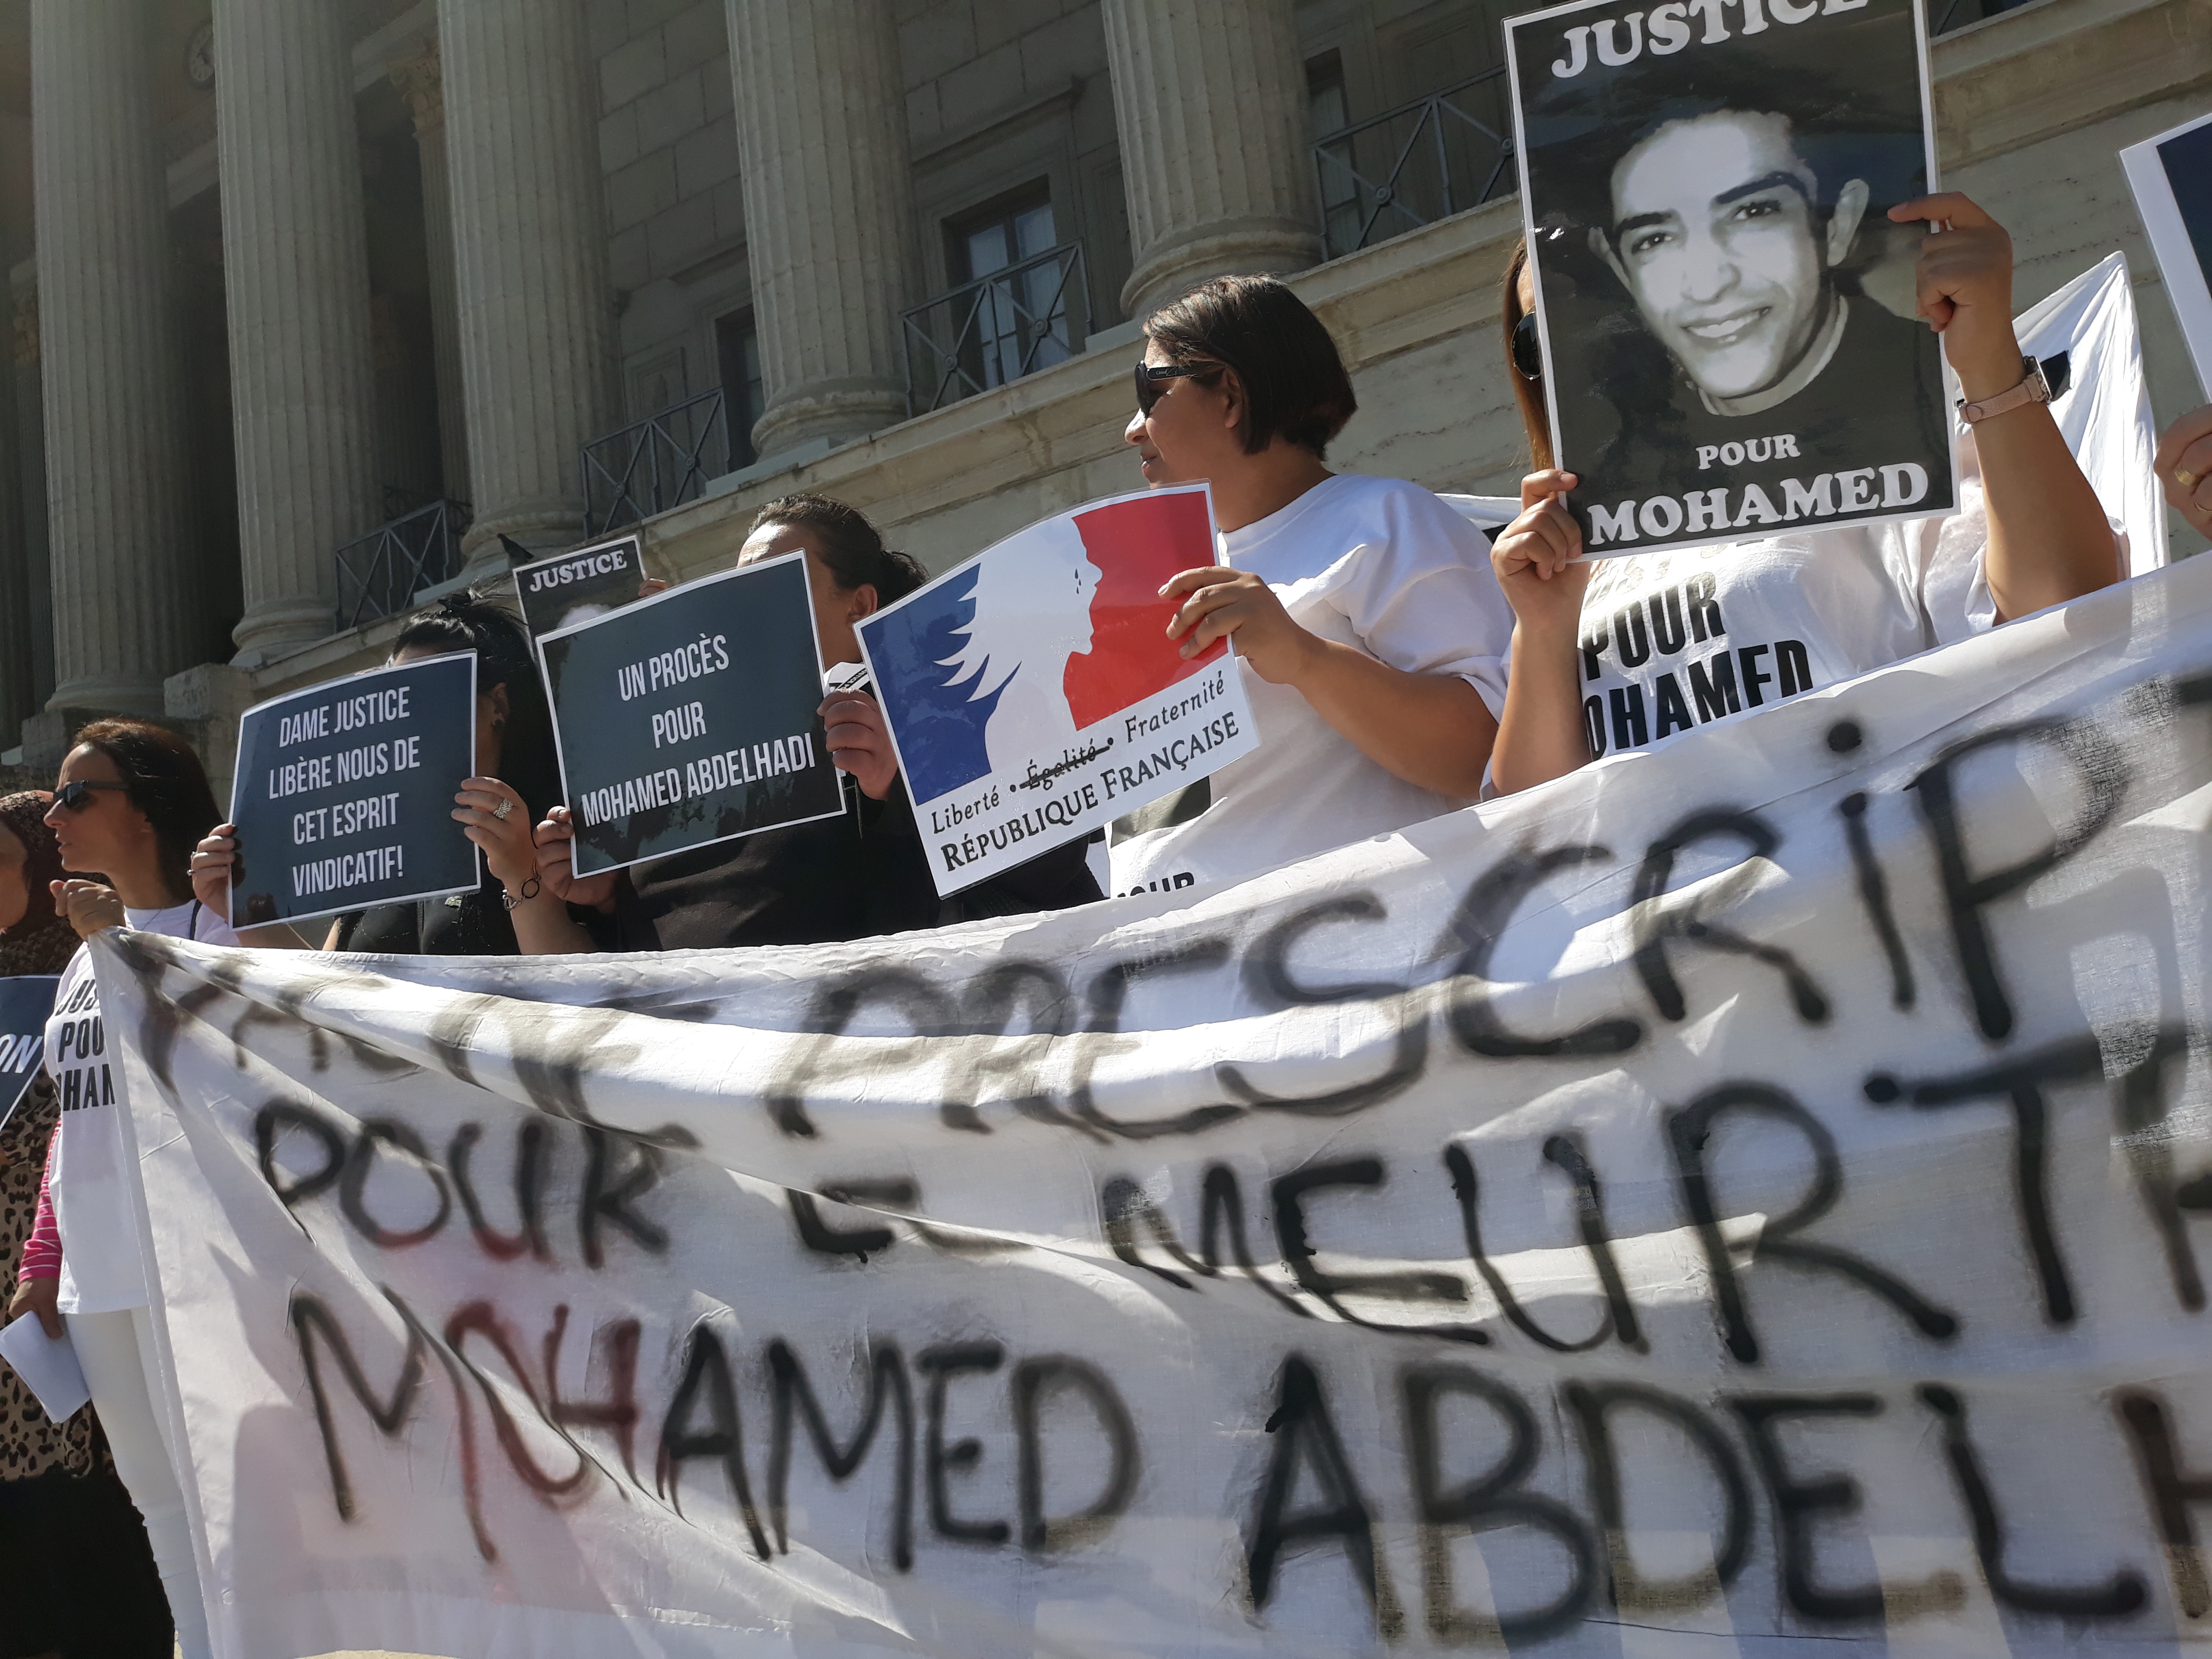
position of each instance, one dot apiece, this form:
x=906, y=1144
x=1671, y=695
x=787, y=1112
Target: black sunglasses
x=1149, y=376
x=1527, y=350
x=76, y=797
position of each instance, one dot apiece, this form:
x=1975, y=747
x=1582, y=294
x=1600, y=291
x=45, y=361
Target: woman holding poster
x=853, y=875
x=131, y=802
x=510, y=913
x=1621, y=654
x=76, y=1574
x=1371, y=638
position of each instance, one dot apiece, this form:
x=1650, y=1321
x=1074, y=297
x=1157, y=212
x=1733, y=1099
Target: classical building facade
x=321, y=304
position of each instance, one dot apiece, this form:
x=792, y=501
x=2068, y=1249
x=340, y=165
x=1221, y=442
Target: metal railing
x=663, y=461
x=1415, y=164
x=380, y=574
x=1945, y=16
x=1005, y=324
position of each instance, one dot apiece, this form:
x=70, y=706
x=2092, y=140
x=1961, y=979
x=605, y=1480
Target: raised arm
x=1538, y=559
x=2050, y=540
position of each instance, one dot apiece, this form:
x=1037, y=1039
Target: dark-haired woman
x=510, y=912
x=1609, y=656
x=851, y=877
x=75, y=1574
x=131, y=802
x=1369, y=628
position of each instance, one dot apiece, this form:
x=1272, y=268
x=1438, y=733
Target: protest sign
x=570, y=589
x=344, y=794
x=1753, y=1202
x=1033, y=695
x=2171, y=176
x=25, y=1003
x=689, y=718
x=1725, y=312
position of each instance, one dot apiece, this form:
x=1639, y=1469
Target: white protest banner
x=2170, y=177
x=344, y=792
x=1726, y=312
x=1751, y=1199
x=2085, y=337
x=1033, y=695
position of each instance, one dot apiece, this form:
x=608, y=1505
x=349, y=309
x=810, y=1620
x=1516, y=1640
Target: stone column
x=418, y=78
x=1209, y=98
x=295, y=281
x=18, y=619
x=537, y=315
x=123, y=611
x=829, y=222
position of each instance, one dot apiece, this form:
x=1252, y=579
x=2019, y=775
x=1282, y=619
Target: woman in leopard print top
x=76, y=1575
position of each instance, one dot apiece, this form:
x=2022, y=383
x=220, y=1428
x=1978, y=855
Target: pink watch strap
x=2031, y=389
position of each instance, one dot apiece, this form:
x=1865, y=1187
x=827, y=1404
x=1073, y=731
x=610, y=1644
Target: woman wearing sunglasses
x=132, y=802
x=1615, y=655
x=1370, y=631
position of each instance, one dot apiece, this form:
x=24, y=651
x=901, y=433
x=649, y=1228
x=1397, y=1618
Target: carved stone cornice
x=420, y=79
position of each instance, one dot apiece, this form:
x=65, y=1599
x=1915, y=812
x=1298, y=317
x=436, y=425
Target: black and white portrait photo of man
x=1712, y=261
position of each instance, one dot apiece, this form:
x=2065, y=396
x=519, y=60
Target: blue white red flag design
x=1033, y=695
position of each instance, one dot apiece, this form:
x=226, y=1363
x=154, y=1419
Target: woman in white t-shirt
x=1369, y=627
x=132, y=802
x=1619, y=654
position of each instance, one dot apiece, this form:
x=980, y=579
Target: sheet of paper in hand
x=25, y=1003
x=572, y=588
x=1726, y=312
x=2172, y=177
x=689, y=718
x=344, y=796
x=1033, y=694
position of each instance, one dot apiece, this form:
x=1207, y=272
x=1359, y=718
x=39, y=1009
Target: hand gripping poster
x=1726, y=313
x=1033, y=695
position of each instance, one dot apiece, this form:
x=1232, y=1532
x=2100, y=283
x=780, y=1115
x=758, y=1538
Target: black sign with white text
x=344, y=796
x=690, y=717
x=1727, y=315
x=25, y=1005
x=570, y=589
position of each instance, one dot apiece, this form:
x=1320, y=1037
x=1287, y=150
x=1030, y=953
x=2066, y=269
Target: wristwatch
x=2031, y=389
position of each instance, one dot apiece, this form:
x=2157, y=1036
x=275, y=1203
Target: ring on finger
x=2185, y=478
x=504, y=808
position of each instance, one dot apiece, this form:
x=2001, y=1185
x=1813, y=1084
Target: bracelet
x=531, y=887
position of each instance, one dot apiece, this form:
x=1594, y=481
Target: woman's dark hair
x=852, y=547
x=1295, y=387
x=472, y=620
x=23, y=814
x=167, y=782
x=1526, y=393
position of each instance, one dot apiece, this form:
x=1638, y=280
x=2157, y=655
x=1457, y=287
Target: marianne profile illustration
x=1033, y=694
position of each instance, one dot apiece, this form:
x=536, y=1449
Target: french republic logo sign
x=1034, y=695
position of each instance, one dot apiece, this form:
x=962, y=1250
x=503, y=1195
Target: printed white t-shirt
x=102, y=1267
x=1671, y=641
x=1377, y=563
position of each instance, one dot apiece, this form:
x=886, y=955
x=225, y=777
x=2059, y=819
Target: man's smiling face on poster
x=1716, y=235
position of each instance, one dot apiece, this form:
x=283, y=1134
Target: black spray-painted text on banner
x=689, y=718
x=344, y=792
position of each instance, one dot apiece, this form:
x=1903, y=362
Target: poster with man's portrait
x=1724, y=312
